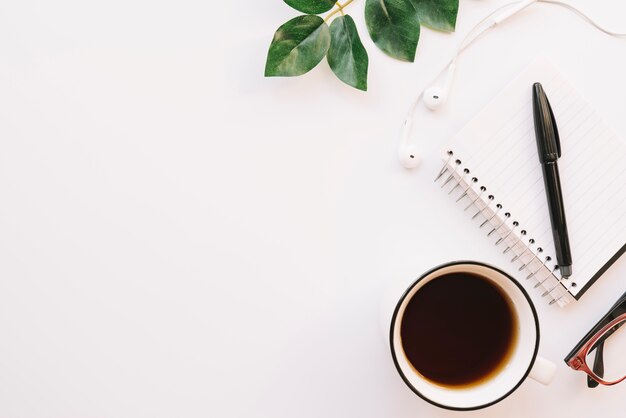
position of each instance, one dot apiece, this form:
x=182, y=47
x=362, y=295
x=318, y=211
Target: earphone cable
x=584, y=17
x=465, y=43
x=492, y=19
x=471, y=36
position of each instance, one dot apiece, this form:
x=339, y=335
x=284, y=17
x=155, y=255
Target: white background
x=180, y=236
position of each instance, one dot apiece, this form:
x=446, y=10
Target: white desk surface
x=180, y=236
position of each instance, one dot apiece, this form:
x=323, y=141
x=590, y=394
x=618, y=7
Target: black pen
x=549, y=151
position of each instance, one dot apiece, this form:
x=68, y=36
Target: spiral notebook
x=492, y=170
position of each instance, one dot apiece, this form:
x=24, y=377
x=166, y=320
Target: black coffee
x=458, y=329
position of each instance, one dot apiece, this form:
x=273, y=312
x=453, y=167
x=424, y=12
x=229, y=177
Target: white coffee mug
x=523, y=361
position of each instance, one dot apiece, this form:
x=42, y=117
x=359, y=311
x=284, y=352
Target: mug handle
x=543, y=371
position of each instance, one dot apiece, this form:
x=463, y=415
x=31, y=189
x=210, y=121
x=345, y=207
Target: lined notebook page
x=499, y=148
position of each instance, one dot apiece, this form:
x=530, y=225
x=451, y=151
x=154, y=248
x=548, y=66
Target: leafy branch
x=394, y=25
x=339, y=9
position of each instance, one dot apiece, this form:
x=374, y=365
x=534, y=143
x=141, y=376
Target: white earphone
x=435, y=96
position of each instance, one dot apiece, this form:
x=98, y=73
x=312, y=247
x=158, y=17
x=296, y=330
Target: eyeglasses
x=603, y=359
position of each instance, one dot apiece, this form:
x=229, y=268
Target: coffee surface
x=458, y=329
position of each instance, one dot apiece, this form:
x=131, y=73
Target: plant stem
x=339, y=9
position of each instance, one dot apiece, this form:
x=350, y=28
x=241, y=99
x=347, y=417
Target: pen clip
x=557, y=139
x=546, y=131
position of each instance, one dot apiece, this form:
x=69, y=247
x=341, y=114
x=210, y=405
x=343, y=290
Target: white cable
x=464, y=44
x=471, y=36
x=584, y=17
x=438, y=95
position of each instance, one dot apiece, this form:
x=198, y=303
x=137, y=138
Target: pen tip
x=566, y=271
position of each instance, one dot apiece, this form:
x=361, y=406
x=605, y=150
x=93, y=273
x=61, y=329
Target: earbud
x=410, y=157
x=435, y=96
x=408, y=153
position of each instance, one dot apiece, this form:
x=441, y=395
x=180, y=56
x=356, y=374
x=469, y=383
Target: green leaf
x=297, y=47
x=347, y=56
x=313, y=7
x=394, y=27
x=437, y=14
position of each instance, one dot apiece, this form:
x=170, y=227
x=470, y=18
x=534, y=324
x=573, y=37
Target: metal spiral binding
x=509, y=248
x=530, y=260
x=515, y=224
x=565, y=292
x=539, y=251
x=482, y=190
x=452, y=175
x=495, y=228
x=490, y=198
x=445, y=166
x=469, y=185
x=528, y=248
x=548, y=258
x=498, y=207
x=465, y=173
x=539, y=283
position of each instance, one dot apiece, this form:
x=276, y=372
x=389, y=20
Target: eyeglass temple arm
x=598, y=360
x=598, y=366
x=605, y=336
x=620, y=306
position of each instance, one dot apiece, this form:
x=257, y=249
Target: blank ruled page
x=499, y=147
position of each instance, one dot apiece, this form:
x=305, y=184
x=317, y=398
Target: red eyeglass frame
x=579, y=362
